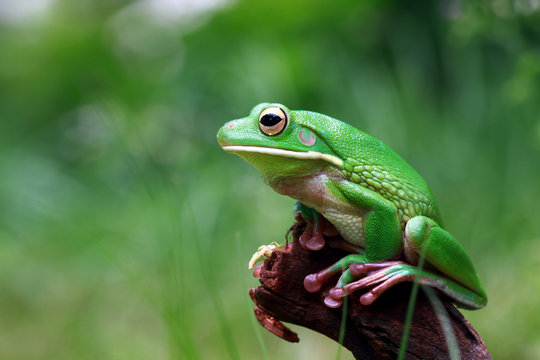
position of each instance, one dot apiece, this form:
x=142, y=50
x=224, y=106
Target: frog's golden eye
x=272, y=121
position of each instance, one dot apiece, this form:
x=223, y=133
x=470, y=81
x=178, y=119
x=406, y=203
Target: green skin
x=379, y=204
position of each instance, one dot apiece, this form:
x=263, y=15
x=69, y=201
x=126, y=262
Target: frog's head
x=279, y=142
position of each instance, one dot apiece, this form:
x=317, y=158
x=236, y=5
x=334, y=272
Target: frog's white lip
x=308, y=155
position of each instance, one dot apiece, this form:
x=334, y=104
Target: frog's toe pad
x=313, y=283
x=315, y=243
x=365, y=268
x=312, y=238
x=257, y=271
x=312, y=241
x=333, y=303
x=368, y=298
x=334, y=298
x=336, y=293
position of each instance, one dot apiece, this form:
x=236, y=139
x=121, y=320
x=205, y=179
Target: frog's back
x=375, y=166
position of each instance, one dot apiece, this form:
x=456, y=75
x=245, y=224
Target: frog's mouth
x=303, y=155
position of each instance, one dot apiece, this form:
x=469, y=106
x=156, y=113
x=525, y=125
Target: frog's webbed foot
x=313, y=236
x=379, y=276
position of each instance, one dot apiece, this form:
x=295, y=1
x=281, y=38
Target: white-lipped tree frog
x=380, y=205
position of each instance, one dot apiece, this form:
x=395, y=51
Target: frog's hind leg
x=425, y=238
x=349, y=277
x=314, y=282
x=448, y=268
x=382, y=280
x=352, y=266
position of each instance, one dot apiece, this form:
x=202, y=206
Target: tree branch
x=372, y=332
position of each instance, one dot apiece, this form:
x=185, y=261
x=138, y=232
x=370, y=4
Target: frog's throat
x=305, y=155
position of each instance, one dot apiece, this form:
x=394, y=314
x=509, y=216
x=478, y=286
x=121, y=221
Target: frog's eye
x=272, y=121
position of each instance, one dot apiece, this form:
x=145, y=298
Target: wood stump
x=372, y=332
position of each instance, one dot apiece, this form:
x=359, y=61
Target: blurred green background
x=125, y=230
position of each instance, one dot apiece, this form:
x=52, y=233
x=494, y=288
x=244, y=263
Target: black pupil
x=270, y=119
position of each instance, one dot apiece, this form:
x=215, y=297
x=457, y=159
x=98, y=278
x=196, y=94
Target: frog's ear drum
x=272, y=121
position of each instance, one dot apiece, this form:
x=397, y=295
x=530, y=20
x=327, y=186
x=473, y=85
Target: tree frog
x=347, y=181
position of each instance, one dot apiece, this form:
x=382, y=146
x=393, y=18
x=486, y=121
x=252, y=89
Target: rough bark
x=372, y=332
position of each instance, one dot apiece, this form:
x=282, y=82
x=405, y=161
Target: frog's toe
x=313, y=237
x=388, y=282
x=257, y=271
x=336, y=295
x=332, y=302
x=368, y=298
x=314, y=282
x=306, y=235
x=365, y=268
x=316, y=242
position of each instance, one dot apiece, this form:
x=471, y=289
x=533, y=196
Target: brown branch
x=372, y=332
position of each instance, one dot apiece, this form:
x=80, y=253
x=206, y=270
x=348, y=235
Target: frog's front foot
x=377, y=281
x=313, y=236
x=378, y=277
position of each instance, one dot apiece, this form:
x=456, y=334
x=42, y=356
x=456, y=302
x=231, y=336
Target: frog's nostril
x=230, y=125
x=222, y=134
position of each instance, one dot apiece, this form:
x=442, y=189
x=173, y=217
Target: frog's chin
x=300, y=155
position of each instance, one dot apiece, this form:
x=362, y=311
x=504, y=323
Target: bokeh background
x=125, y=230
